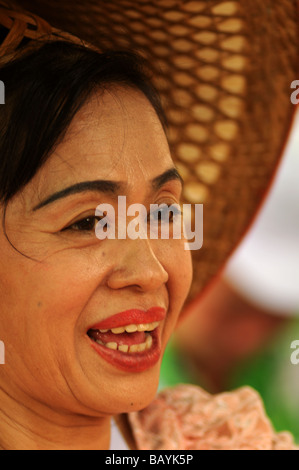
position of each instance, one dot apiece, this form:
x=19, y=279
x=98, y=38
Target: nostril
x=139, y=273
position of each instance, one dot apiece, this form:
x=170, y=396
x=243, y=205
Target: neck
x=28, y=426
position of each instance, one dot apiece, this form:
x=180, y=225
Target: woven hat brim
x=224, y=71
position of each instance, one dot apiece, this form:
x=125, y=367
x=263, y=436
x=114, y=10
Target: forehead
x=116, y=135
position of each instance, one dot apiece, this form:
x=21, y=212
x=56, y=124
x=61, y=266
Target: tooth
x=147, y=326
x=123, y=348
x=119, y=330
x=103, y=331
x=131, y=328
x=99, y=342
x=142, y=347
x=149, y=341
x=142, y=327
x=152, y=326
x=133, y=348
x=111, y=346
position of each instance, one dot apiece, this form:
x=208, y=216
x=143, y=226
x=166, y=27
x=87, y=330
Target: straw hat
x=224, y=71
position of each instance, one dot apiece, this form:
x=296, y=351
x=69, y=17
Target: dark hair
x=44, y=89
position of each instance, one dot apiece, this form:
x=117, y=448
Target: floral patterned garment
x=188, y=418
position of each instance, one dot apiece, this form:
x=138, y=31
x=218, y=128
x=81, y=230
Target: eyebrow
x=108, y=187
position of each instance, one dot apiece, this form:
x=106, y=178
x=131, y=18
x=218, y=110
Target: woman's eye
x=88, y=224
x=166, y=213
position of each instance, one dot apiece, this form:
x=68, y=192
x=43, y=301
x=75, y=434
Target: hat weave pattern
x=224, y=70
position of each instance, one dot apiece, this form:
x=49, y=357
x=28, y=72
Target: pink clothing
x=188, y=418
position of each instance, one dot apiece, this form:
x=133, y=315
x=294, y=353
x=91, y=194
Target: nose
x=138, y=266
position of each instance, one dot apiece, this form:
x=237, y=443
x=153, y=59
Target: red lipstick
x=129, y=317
x=129, y=361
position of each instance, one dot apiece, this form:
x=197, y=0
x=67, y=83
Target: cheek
x=41, y=309
x=48, y=297
x=178, y=263
x=65, y=285
x=181, y=265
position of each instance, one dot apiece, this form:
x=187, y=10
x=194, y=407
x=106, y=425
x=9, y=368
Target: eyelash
x=82, y=222
x=174, y=213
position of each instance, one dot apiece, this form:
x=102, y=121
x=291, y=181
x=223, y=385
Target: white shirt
x=117, y=441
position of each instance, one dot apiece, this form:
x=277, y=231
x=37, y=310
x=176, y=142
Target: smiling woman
x=92, y=323
x=85, y=322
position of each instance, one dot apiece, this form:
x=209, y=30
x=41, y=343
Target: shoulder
x=188, y=418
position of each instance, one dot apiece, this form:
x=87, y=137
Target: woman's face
x=58, y=281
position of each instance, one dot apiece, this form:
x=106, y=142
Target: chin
x=109, y=386
x=136, y=392
x=140, y=392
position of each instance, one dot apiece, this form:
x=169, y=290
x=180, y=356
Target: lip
x=129, y=317
x=134, y=362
